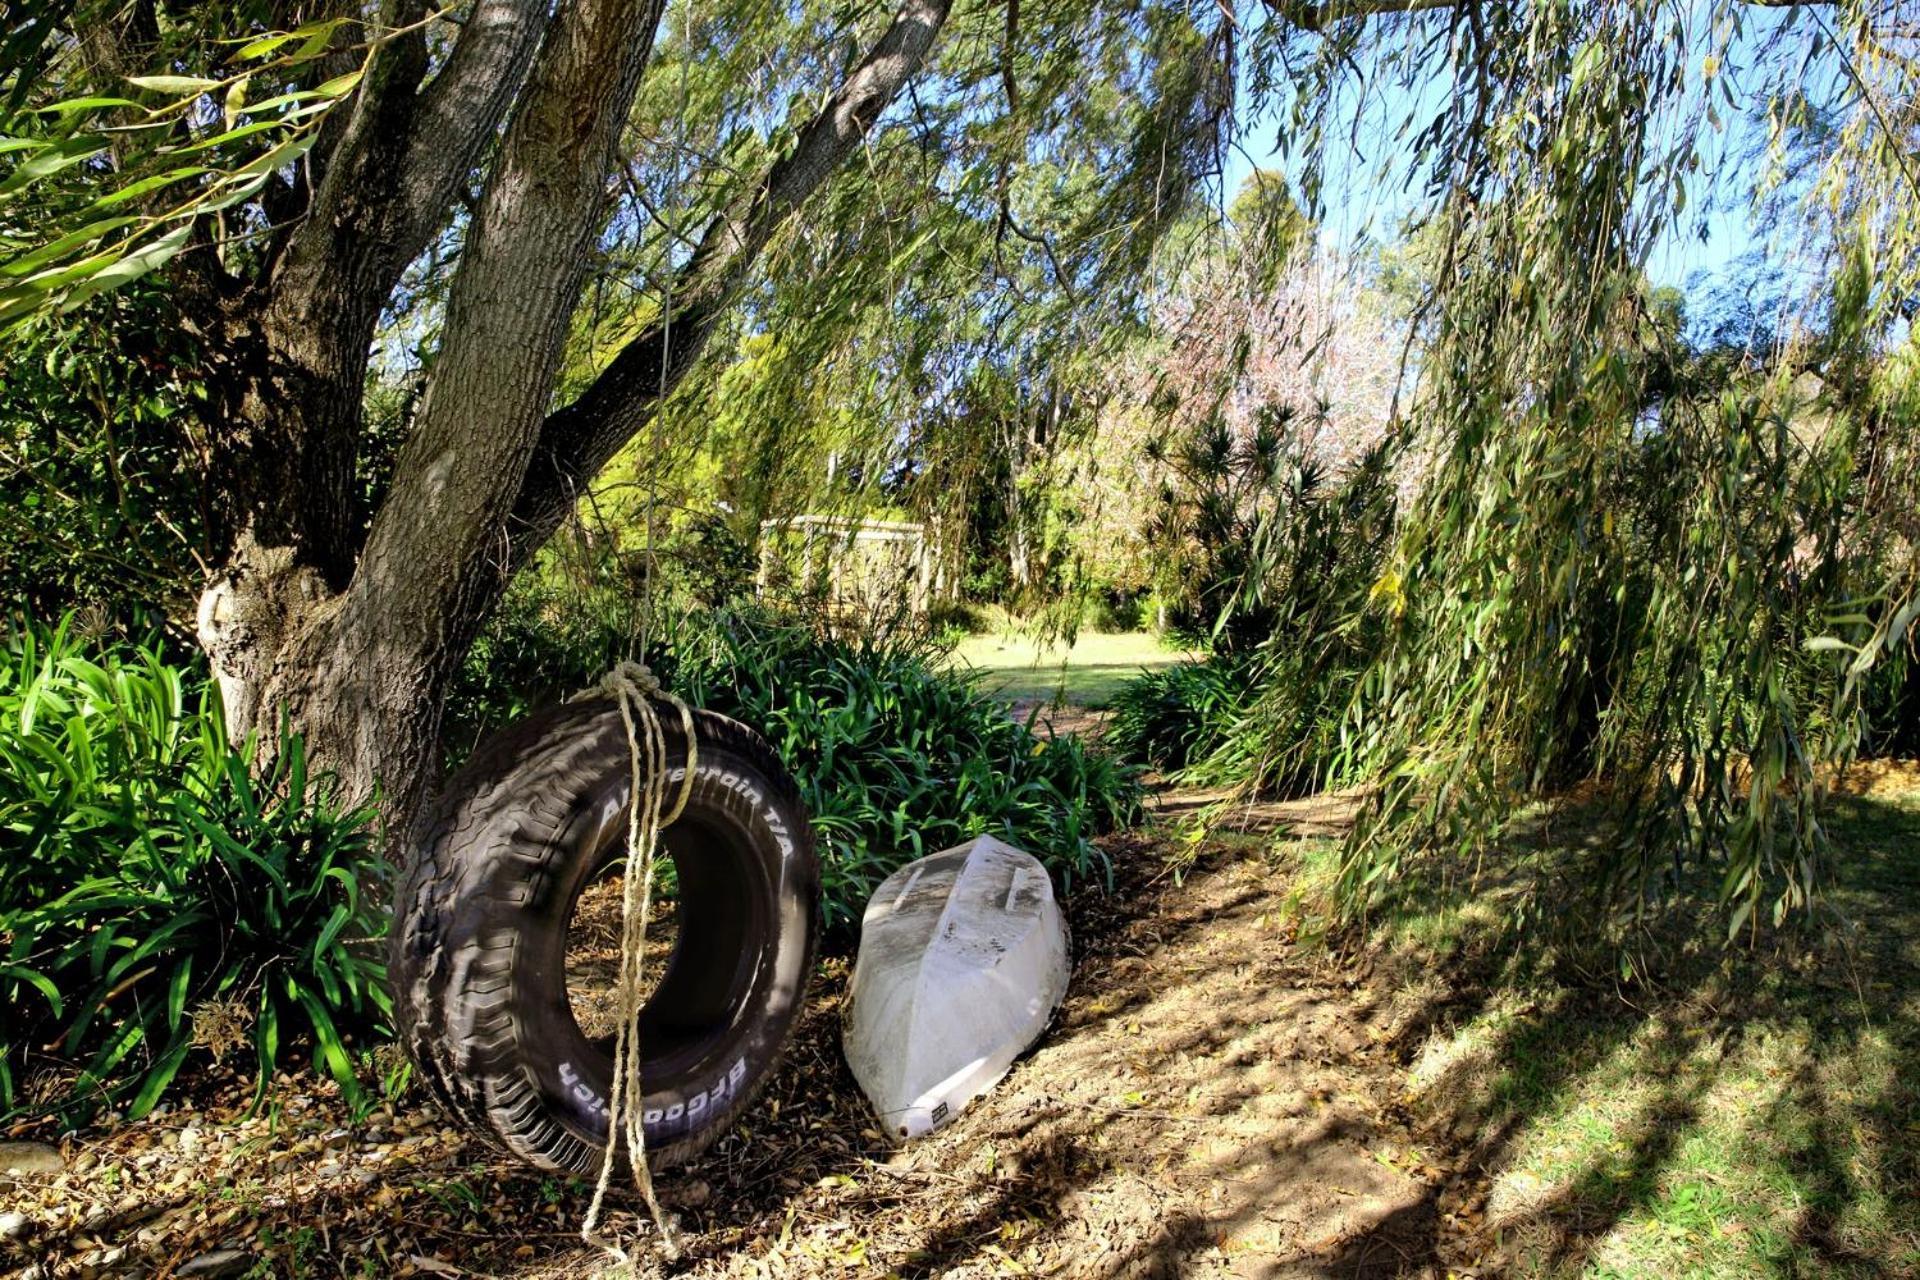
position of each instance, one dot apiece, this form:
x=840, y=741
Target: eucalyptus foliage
x=922, y=342
x=128, y=172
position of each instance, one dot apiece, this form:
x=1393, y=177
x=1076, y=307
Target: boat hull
x=962, y=962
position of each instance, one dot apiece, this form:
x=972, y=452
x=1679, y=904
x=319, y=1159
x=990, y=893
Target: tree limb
x=508, y=307
x=401, y=154
x=363, y=669
x=578, y=440
x=461, y=108
x=406, y=148
x=1318, y=17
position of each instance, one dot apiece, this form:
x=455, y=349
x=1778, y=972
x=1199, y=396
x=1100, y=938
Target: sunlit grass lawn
x=1019, y=669
x=1746, y=1114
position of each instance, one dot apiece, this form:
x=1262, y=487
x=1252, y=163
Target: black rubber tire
x=478, y=951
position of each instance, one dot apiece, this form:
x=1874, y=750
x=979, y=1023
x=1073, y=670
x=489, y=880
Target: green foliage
x=99, y=188
x=154, y=894
x=1261, y=544
x=1114, y=607
x=1628, y=563
x=1269, y=721
x=579, y=610
x=952, y=621
x=1280, y=559
x=897, y=759
x=995, y=241
x=1178, y=716
x=1313, y=567
x=102, y=504
x=560, y=627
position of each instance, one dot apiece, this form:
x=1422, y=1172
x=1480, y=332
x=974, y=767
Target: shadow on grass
x=1743, y=1112
x=1090, y=684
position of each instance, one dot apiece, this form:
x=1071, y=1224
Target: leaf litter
x=1215, y=1099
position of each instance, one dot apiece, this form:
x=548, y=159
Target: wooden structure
x=854, y=563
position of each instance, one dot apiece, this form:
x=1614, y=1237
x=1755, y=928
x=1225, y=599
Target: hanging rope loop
x=638, y=692
x=631, y=681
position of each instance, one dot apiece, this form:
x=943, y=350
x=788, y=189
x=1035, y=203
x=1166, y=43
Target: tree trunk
x=351, y=632
x=367, y=706
x=359, y=657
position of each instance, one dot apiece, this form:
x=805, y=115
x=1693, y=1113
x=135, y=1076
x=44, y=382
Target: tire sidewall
x=515, y=1061
x=578, y=1085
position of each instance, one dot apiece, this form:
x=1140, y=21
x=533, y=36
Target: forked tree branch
x=516, y=288
x=578, y=440
x=386, y=179
x=408, y=147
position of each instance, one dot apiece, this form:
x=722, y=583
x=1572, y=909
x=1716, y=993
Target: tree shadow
x=1221, y=1096
x=1744, y=1108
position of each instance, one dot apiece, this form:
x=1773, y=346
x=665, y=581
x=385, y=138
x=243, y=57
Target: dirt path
x=1210, y=1104
x=1215, y=1101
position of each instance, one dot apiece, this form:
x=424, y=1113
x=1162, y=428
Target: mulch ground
x=1214, y=1100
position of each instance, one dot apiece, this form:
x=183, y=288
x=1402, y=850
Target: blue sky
x=1367, y=195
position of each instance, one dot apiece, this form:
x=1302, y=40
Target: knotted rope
x=634, y=686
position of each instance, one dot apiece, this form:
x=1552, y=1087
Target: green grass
x=1087, y=673
x=1744, y=1114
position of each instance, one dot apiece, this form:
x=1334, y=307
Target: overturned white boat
x=963, y=958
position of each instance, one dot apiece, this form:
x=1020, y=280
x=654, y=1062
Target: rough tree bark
x=350, y=629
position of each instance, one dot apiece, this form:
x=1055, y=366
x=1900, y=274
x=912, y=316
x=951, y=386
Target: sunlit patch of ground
x=1209, y=1103
x=1022, y=670
x=594, y=949
x=1745, y=1115
x=1229, y=1091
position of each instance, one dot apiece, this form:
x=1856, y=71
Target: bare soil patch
x=1327, y=814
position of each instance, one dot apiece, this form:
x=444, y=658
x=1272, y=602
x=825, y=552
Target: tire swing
x=478, y=955
x=479, y=944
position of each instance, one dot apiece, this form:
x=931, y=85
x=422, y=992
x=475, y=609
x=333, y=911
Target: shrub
x=1171, y=718
x=896, y=758
x=1114, y=608
x=951, y=621
x=1267, y=721
x=102, y=500
x=1293, y=630
x=155, y=894
x=1287, y=740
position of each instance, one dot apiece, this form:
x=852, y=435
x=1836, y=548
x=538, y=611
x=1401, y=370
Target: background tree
x=301, y=173
x=1687, y=643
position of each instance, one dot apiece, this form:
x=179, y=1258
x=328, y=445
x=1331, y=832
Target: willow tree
x=297, y=172
x=979, y=265
x=1677, y=585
